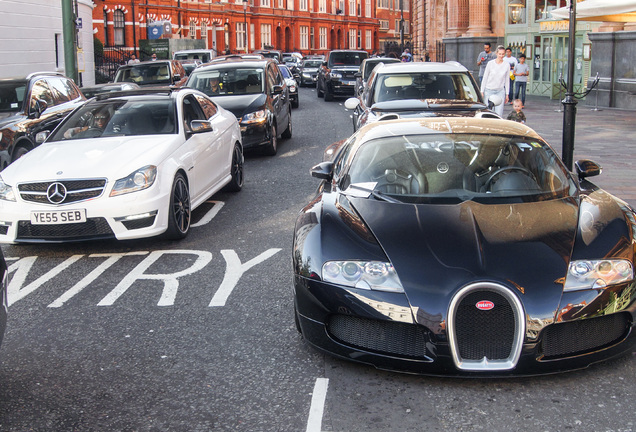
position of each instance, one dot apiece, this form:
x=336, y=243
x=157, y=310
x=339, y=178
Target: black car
x=463, y=246
x=337, y=76
x=292, y=84
x=158, y=73
x=255, y=92
x=422, y=89
x=308, y=71
x=30, y=105
x=4, y=282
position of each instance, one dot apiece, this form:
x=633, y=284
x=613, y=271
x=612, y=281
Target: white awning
x=600, y=10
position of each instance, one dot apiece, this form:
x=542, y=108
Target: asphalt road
x=198, y=335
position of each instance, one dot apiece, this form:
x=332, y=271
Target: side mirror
x=200, y=126
x=277, y=89
x=323, y=171
x=587, y=168
x=176, y=78
x=324, y=63
x=358, y=75
x=494, y=101
x=352, y=103
x=39, y=107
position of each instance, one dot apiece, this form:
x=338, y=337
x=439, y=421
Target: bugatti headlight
x=369, y=275
x=598, y=274
x=259, y=116
x=141, y=179
x=6, y=191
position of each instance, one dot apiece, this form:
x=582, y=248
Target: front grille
x=385, y=337
x=93, y=228
x=577, y=337
x=76, y=190
x=485, y=333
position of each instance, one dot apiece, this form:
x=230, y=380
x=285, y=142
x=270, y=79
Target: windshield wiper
x=376, y=194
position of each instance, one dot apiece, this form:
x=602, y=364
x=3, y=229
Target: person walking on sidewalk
x=512, y=61
x=521, y=79
x=496, y=80
x=484, y=58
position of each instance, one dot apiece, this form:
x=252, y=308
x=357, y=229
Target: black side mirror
x=323, y=171
x=277, y=89
x=587, y=168
x=39, y=107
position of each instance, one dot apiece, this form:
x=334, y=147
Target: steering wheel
x=524, y=171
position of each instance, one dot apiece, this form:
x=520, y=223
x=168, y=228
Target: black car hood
x=7, y=118
x=240, y=105
x=436, y=249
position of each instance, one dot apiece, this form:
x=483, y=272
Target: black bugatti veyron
x=463, y=246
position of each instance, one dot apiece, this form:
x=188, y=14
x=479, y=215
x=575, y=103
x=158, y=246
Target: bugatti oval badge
x=485, y=305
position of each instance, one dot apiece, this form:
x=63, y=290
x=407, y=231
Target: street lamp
x=245, y=24
x=515, y=9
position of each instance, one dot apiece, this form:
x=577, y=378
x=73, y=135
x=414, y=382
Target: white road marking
x=22, y=267
x=112, y=258
x=218, y=205
x=314, y=423
x=234, y=271
x=170, y=280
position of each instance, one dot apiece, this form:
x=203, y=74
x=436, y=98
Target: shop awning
x=600, y=10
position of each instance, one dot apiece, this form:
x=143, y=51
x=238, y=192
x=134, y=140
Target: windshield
x=12, y=96
x=346, y=58
x=286, y=73
x=223, y=82
x=424, y=85
x=145, y=74
x=118, y=117
x=312, y=63
x=421, y=168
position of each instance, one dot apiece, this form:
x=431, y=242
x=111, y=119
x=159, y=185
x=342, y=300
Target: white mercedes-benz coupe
x=124, y=165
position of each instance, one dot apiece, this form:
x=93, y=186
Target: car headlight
x=335, y=75
x=597, y=274
x=141, y=179
x=292, y=88
x=369, y=275
x=6, y=191
x=306, y=75
x=259, y=116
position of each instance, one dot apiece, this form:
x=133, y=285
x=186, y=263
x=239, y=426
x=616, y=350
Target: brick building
x=306, y=26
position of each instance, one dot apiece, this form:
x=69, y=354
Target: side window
x=270, y=80
x=59, y=90
x=208, y=107
x=41, y=91
x=191, y=111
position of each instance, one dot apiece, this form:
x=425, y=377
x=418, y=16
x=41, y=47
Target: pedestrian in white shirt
x=497, y=80
x=512, y=61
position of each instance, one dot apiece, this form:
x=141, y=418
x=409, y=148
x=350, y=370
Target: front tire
x=19, y=152
x=236, y=170
x=179, y=211
x=272, y=147
x=318, y=91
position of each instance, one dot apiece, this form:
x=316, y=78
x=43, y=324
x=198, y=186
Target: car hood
x=103, y=157
x=7, y=118
x=239, y=105
x=417, y=105
x=436, y=249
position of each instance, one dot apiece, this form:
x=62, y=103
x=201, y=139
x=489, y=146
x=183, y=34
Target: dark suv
x=164, y=73
x=255, y=92
x=32, y=105
x=337, y=76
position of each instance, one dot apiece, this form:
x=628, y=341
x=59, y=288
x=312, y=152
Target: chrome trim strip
x=520, y=324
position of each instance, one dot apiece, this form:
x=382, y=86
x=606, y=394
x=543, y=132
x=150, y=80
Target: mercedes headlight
x=6, y=191
x=369, y=275
x=259, y=116
x=141, y=179
x=597, y=274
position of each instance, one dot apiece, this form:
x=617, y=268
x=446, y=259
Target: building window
x=304, y=37
x=302, y=5
x=323, y=38
x=240, y=36
x=384, y=24
x=290, y=4
x=192, y=33
x=368, y=40
x=106, y=38
x=544, y=7
x=265, y=3
x=266, y=35
x=118, y=25
x=322, y=6
x=352, y=7
x=204, y=30
x=367, y=8
x=384, y=4
x=312, y=44
x=352, y=39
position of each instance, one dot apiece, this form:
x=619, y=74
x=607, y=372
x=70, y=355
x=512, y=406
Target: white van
x=203, y=55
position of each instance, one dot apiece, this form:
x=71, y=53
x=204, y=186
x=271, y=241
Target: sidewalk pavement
x=607, y=136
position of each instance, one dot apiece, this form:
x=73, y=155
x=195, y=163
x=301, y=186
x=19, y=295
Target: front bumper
x=341, y=87
x=255, y=134
x=380, y=329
